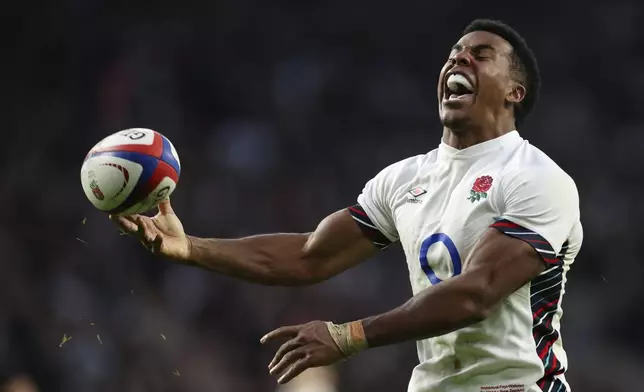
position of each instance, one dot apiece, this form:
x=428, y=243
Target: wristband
x=349, y=337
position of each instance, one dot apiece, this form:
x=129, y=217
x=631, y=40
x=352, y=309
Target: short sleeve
x=539, y=206
x=376, y=201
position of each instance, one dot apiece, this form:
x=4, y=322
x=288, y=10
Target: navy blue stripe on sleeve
x=543, y=247
x=368, y=228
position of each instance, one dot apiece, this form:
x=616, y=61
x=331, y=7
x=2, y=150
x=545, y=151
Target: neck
x=464, y=138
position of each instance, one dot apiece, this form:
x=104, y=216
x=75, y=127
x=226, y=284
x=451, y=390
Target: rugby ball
x=130, y=172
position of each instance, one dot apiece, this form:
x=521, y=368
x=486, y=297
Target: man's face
x=475, y=84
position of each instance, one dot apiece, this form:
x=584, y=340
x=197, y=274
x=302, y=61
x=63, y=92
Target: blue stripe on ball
x=167, y=156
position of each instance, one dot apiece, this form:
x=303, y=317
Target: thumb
x=165, y=208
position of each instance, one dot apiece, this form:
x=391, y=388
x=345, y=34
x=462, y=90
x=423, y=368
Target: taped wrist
x=349, y=337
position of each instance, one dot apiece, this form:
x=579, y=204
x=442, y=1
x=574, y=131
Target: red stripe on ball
x=163, y=170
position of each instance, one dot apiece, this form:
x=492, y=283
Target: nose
x=461, y=58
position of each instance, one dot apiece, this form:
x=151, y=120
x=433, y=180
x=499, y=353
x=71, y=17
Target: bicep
x=500, y=265
x=538, y=211
x=337, y=244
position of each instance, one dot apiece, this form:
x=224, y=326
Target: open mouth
x=458, y=87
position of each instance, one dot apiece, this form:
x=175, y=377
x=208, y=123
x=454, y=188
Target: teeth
x=457, y=97
x=456, y=80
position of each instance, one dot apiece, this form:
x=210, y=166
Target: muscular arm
x=287, y=259
x=539, y=210
x=540, y=206
x=498, y=266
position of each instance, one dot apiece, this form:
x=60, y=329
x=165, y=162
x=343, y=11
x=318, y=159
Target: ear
x=516, y=93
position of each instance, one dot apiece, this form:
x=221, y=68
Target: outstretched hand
x=162, y=234
x=309, y=345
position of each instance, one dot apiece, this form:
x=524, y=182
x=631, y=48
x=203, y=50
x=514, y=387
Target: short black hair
x=523, y=61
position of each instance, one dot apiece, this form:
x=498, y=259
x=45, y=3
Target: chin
x=455, y=121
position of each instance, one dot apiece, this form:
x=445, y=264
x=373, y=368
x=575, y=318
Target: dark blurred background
x=266, y=102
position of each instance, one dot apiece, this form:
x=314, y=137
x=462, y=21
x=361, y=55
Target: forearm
x=287, y=259
x=499, y=266
x=451, y=305
x=272, y=259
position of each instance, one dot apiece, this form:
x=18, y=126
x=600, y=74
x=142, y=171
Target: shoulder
x=394, y=177
x=531, y=167
x=406, y=169
x=532, y=182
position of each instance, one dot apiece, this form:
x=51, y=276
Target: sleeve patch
x=543, y=247
x=368, y=228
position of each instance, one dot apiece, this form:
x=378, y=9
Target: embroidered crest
x=96, y=190
x=480, y=188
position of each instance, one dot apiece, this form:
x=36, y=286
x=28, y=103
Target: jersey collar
x=447, y=152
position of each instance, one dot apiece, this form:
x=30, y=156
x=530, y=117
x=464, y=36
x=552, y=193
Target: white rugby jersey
x=438, y=205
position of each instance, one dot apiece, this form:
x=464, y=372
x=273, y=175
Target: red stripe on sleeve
x=537, y=241
x=506, y=224
x=547, y=306
x=358, y=211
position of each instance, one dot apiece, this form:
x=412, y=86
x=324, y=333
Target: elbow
x=305, y=269
x=475, y=312
x=301, y=267
x=309, y=274
x=478, y=304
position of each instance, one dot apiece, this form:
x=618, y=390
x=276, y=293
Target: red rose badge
x=480, y=188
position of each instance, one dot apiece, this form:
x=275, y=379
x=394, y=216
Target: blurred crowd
x=280, y=112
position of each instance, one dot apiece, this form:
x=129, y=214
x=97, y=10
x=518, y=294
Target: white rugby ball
x=130, y=172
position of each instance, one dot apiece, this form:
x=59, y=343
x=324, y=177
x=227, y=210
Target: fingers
x=143, y=228
x=295, y=370
x=148, y=235
x=285, y=348
x=157, y=244
x=282, y=332
x=290, y=357
x=310, y=345
x=126, y=223
x=146, y=230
